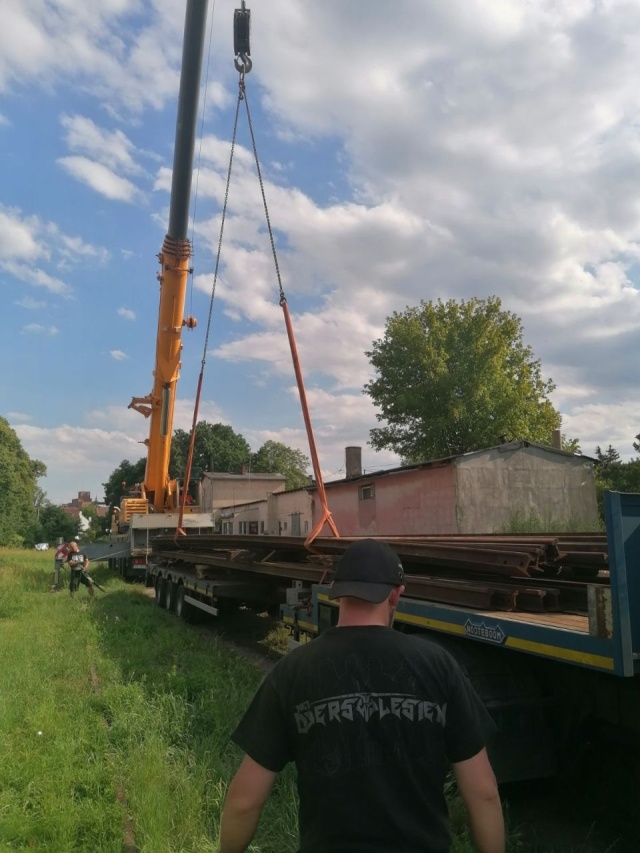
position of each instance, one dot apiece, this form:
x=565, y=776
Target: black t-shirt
x=372, y=718
x=76, y=560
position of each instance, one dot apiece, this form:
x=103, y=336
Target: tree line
x=26, y=517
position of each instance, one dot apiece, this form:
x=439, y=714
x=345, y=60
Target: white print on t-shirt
x=366, y=706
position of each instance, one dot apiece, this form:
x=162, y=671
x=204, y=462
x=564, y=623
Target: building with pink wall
x=479, y=492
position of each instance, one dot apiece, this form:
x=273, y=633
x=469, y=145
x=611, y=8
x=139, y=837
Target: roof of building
x=446, y=460
x=245, y=503
x=215, y=475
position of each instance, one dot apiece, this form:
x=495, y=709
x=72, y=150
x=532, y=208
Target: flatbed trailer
x=551, y=663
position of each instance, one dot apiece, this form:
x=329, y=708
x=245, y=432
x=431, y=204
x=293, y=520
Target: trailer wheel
x=170, y=595
x=161, y=591
x=127, y=563
x=175, y=589
x=182, y=609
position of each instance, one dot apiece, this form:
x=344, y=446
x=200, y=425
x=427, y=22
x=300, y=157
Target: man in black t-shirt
x=373, y=719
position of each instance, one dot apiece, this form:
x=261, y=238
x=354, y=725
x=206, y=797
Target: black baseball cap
x=368, y=570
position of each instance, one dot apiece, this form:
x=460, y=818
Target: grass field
x=114, y=724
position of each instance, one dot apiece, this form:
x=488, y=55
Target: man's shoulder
x=417, y=645
x=299, y=657
x=425, y=652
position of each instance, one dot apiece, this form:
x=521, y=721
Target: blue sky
x=449, y=149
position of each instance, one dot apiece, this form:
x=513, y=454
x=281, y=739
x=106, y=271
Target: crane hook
x=242, y=63
x=242, y=39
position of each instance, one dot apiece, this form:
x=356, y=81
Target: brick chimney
x=353, y=462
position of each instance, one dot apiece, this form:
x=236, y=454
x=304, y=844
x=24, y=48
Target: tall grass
x=531, y=521
x=109, y=699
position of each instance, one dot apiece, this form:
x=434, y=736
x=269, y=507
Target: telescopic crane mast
x=159, y=492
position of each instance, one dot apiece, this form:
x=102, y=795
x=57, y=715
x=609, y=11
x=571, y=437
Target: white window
x=284, y=525
x=367, y=493
x=306, y=527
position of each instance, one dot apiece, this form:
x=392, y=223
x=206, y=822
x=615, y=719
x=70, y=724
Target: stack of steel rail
x=533, y=573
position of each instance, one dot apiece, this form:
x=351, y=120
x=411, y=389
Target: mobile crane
x=154, y=505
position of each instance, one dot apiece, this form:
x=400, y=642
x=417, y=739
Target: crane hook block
x=241, y=31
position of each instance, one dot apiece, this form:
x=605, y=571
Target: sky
x=410, y=151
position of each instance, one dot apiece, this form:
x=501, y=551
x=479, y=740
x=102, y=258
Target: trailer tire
x=170, y=595
x=127, y=564
x=161, y=591
x=182, y=610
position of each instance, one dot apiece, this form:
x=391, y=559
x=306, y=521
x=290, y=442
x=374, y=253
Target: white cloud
x=100, y=178
x=18, y=240
x=111, y=148
x=125, y=52
x=603, y=424
x=18, y=416
x=118, y=355
x=28, y=243
x=37, y=277
x=38, y=329
x=30, y=304
x=120, y=418
x=72, y=249
x=77, y=458
x=127, y=313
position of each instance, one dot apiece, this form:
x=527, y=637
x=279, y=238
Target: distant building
x=279, y=514
x=76, y=505
x=477, y=492
x=229, y=490
x=247, y=518
x=290, y=513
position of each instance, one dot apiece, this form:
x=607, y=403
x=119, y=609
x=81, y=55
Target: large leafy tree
x=608, y=458
x=18, y=475
x=55, y=523
x=274, y=457
x=451, y=377
x=217, y=448
x=614, y=475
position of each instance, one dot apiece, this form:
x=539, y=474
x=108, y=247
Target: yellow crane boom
x=158, y=493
